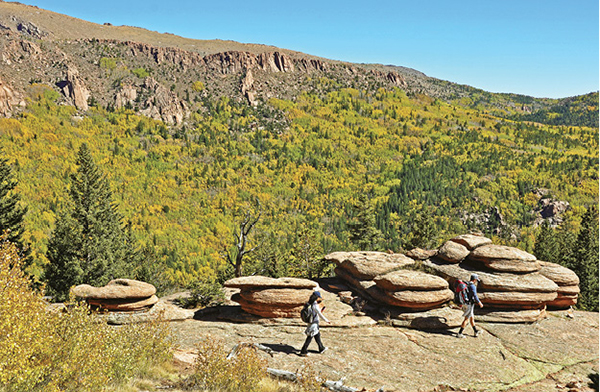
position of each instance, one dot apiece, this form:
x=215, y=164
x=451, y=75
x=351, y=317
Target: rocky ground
x=558, y=353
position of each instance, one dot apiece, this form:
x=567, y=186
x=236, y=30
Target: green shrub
x=140, y=72
x=203, y=293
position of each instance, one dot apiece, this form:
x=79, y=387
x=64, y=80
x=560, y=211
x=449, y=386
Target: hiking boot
x=324, y=349
x=460, y=335
x=304, y=354
x=478, y=333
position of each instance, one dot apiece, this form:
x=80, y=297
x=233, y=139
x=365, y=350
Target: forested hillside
x=314, y=171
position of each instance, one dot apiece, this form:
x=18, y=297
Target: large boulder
x=453, y=252
x=504, y=259
x=269, y=297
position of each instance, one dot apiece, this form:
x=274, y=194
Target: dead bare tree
x=235, y=258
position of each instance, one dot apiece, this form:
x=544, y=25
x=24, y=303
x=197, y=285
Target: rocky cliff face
x=102, y=70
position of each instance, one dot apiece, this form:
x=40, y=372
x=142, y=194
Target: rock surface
x=368, y=265
x=410, y=280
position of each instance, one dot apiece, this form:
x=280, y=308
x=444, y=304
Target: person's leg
x=306, y=343
x=318, y=340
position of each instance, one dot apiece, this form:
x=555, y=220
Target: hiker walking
x=469, y=299
x=314, y=315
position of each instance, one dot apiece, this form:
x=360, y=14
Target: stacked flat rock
x=414, y=290
x=567, y=281
x=118, y=295
x=270, y=297
x=383, y=278
x=511, y=279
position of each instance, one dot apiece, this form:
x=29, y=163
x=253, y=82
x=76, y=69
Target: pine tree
x=585, y=260
x=546, y=244
x=89, y=244
x=12, y=213
x=363, y=229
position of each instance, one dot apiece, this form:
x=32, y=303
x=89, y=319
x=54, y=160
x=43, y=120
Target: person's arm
x=319, y=313
x=475, y=297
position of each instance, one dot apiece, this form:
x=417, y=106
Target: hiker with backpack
x=466, y=295
x=311, y=314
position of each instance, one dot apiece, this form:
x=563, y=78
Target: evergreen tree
x=585, y=260
x=424, y=231
x=546, y=244
x=89, y=244
x=12, y=213
x=363, y=229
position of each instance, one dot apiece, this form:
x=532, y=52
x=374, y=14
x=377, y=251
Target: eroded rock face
x=421, y=254
x=9, y=99
x=163, y=104
x=127, y=95
x=74, y=88
x=270, y=297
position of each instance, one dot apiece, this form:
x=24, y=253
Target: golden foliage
x=69, y=350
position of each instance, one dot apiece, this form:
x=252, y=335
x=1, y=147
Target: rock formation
x=384, y=278
x=270, y=297
x=163, y=104
x=74, y=89
x=513, y=285
x=118, y=295
x=9, y=99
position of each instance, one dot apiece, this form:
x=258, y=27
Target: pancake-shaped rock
x=560, y=275
x=123, y=305
x=278, y=296
x=471, y=241
x=266, y=310
x=516, y=299
x=368, y=265
x=410, y=280
x=418, y=300
x=453, y=252
x=501, y=252
x=255, y=282
x=115, y=289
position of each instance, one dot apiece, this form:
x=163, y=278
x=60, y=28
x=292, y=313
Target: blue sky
x=546, y=48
